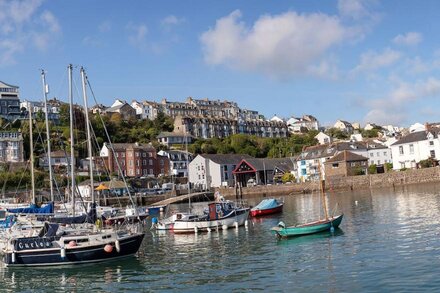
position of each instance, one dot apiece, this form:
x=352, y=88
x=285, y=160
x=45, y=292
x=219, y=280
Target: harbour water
x=388, y=241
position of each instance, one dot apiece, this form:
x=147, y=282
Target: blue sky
x=360, y=61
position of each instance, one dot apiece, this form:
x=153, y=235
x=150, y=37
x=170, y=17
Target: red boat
x=267, y=207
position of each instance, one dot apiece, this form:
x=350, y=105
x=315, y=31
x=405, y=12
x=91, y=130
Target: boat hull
x=78, y=255
x=239, y=216
x=263, y=212
x=310, y=228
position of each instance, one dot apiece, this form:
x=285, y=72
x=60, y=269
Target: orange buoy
x=108, y=248
x=72, y=243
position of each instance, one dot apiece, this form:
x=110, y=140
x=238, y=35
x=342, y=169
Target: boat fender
x=281, y=225
x=63, y=252
x=13, y=258
x=246, y=223
x=108, y=248
x=236, y=225
x=154, y=220
x=224, y=227
x=118, y=246
x=209, y=229
x=195, y=230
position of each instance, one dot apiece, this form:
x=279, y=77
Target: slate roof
x=173, y=134
x=261, y=164
x=124, y=146
x=226, y=159
x=413, y=137
x=347, y=156
x=328, y=150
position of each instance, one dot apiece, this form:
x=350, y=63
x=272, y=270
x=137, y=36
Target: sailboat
x=329, y=223
x=54, y=245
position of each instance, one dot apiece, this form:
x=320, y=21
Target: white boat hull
x=237, y=219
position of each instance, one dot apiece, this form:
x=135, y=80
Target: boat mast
x=49, y=155
x=321, y=188
x=72, y=154
x=31, y=142
x=89, y=140
x=187, y=171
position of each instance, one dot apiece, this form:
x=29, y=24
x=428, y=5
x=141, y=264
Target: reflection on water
x=388, y=241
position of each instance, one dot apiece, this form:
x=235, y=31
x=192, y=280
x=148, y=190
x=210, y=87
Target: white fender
x=118, y=246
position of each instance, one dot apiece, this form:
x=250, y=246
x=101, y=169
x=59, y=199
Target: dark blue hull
x=90, y=254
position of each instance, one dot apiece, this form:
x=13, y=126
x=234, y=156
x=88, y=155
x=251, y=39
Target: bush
x=288, y=177
x=372, y=169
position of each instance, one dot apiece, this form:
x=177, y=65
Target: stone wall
x=389, y=179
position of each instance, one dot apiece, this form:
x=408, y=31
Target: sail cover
x=266, y=204
x=34, y=209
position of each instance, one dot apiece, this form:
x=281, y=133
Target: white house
x=323, y=138
x=276, y=119
x=306, y=122
x=415, y=147
x=310, y=163
x=378, y=153
x=178, y=161
x=344, y=126
x=213, y=170
x=416, y=127
x=57, y=158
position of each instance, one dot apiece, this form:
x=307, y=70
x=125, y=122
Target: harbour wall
x=389, y=179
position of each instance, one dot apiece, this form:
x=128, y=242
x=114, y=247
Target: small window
x=335, y=165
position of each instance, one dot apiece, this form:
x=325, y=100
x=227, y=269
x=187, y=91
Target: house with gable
x=323, y=138
x=263, y=171
x=416, y=146
x=213, y=170
x=310, y=162
x=344, y=126
x=345, y=164
x=127, y=112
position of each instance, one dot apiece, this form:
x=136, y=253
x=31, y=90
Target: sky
x=356, y=60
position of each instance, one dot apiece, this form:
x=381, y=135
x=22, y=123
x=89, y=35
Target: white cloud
x=23, y=27
x=172, y=20
x=409, y=39
x=138, y=35
x=281, y=46
x=352, y=8
x=371, y=60
x=105, y=27
x=395, y=106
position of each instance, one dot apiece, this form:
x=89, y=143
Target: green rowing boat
x=309, y=228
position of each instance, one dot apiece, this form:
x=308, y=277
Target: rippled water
x=388, y=241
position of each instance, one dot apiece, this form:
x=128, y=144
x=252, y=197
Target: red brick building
x=135, y=159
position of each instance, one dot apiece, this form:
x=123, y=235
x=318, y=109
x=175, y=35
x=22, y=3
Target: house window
x=144, y=162
x=137, y=154
x=402, y=165
x=335, y=165
x=144, y=155
x=303, y=163
x=123, y=155
x=431, y=142
x=411, y=149
x=432, y=152
x=378, y=162
x=303, y=172
x=384, y=153
x=150, y=162
x=130, y=163
x=371, y=155
x=401, y=150
x=151, y=171
x=353, y=164
x=378, y=154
